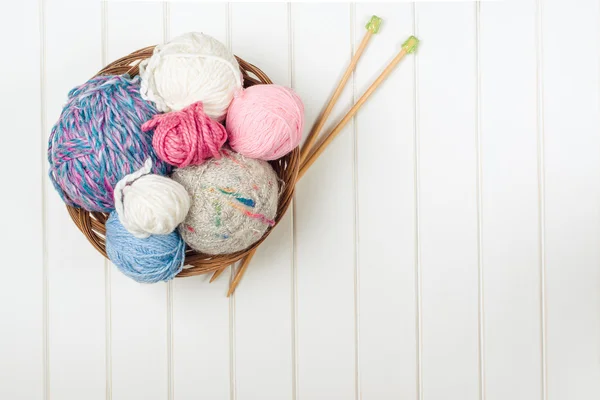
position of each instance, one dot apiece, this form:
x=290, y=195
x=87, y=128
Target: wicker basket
x=92, y=223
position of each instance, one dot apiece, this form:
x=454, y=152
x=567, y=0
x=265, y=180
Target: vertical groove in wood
x=108, y=323
x=418, y=280
x=290, y=45
x=170, y=363
x=170, y=346
x=232, y=389
x=541, y=189
x=480, y=267
x=293, y=283
x=295, y=377
x=107, y=265
x=228, y=24
x=43, y=124
x=357, y=386
x=166, y=21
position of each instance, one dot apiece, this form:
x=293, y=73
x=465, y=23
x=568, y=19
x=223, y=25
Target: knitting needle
x=217, y=273
x=240, y=273
x=409, y=46
x=372, y=28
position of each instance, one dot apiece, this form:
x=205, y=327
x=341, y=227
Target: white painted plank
x=139, y=312
x=76, y=272
x=201, y=310
x=448, y=200
x=22, y=240
x=572, y=197
x=263, y=301
x=325, y=211
x=385, y=142
x=511, y=261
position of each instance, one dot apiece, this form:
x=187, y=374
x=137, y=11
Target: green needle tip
x=410, y=45
x=374, y=24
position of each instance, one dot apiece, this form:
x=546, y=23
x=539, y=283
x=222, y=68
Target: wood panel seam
x=541, y=192
x=417, y=227
x=45, y=280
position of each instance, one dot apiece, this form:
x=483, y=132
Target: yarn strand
x=128, y=179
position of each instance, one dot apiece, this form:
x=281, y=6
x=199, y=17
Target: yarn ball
x=265, y=122
x=191, y=67
x=153, y=259
x=98, y=140
x=149, y=204
x=186, y=137
x=234, y=202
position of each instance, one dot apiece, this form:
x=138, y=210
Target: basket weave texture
x=92, y=223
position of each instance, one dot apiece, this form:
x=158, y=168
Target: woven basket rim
x=92, y=224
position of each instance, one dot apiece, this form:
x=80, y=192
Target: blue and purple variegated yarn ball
x=98, y=140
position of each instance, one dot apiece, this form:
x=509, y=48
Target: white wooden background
x=447, y=245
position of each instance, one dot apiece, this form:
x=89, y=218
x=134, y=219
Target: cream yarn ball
x=234, y=202
x=190, y=68
x=149, y=204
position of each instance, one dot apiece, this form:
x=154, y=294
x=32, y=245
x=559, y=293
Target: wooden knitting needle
x=372, y=28
x=409, y=46
x=241, y=271
x=217, y=273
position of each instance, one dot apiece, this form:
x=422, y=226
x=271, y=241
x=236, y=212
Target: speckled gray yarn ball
x=233, y=203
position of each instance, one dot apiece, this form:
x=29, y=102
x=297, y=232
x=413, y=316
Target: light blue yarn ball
x=153, y=259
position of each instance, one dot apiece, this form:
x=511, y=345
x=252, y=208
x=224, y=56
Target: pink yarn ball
x=265, y=122
x=186, y=137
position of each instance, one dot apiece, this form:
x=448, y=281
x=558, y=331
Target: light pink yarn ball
x=265, y=122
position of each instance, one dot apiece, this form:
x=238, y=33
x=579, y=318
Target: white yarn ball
x=149, y=204
x=190, y=68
